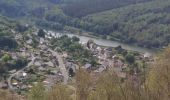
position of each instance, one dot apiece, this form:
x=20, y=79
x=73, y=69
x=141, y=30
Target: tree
x=41, y=33
x=6, y=57
x=158, y=81
x=7, y=42
x=37, y=92
x=6, y=95
x=107, y=87
x=130, y=58
x=21, y=28
x=71, y=72
x=59, y=92
x=83, y=83
x=75, y=39
x=93, y=62
x=21, y=62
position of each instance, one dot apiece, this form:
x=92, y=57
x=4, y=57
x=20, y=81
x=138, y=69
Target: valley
x=128, y=21
x=84, y=49
x=54, y=58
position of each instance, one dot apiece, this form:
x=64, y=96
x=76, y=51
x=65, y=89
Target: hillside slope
x=80, y=8
x=142, y=22
x=148, y=24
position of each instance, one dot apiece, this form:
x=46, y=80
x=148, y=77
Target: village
x=51, y=67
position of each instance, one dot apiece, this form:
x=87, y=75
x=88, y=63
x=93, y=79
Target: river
x=104, y=42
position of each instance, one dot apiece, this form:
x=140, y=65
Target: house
x=42, y=69
x=22, y=49
x=42, y=40
x=102, y=51
x=14, y=56
x=44, y=47
x=29, y=42
x=51, y=80
x=21, y=76
x=13, y=31
x=22, y=86
x=18, y=37
x=25, y=54
x=99, y=49
x=59, y=73
x=12, y=71
x=100, y=69
x=101, y=58
x=3, y=85
x=109, y=49
x=147, y=56
x=36, y=53
x=54, y=72
x=94, y=46
x=49, y=64
x=105, y=64
x=37, y=63
x=87, y=66
x=83, y=43
x=55, y=61
x=118, y=63
x=108, y=53
x=47, y=36
x=30, y=86
x=65, y=55
x=14, y=83
x=115, y=57
x=24, y=74
x=29, y=36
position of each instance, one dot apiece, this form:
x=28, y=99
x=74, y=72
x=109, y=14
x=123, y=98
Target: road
x=12, y=75
x=61, y=65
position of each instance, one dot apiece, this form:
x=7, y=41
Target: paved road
x=61, y=65
x=12, y=75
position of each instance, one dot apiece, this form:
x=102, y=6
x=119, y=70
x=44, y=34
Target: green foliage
x=37, y=92
x=19, y=63
x=80, y=8
x=6, y=57
x=130, y=58
x=158, y=78
x=145, y=24
x=5, y=26
x=21, y=28
x=75, y=39
x=76, y=51
x=8, y=43
x=59, y=92
x=41, y=33
x=142, y=22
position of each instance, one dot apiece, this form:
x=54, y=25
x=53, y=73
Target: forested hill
x=148, y=24
x=79, y=8
x=142, y=22
x=21, y=8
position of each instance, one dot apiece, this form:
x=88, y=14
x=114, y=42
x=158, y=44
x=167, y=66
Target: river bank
x=107, y=43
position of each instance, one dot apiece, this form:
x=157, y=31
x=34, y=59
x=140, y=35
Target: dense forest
x=80, y=8
x=141, y=22
x=6, y=36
